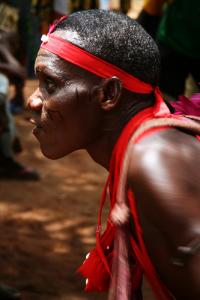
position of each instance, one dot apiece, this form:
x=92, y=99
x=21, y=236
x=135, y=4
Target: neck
x=101, y=150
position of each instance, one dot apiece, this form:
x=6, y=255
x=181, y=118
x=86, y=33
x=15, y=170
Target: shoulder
x=164, y=169
x=164, y=149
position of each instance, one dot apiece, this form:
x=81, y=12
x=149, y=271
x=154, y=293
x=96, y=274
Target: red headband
x=101, y=68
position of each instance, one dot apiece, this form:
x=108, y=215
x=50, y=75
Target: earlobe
x=111, y=88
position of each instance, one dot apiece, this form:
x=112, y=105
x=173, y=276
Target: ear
x=111, y=91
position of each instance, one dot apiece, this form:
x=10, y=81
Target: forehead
x=52, y=65
x=47, y=61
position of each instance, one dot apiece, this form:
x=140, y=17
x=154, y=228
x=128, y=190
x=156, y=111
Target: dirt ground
x=47, y=227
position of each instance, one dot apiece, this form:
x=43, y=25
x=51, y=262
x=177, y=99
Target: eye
x=50, y=85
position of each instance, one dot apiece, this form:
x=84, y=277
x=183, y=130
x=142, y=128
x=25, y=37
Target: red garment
x=97, y=267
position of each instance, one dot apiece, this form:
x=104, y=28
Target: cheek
x=70, y=106
x=61, y=102
x=55, y=116
x=72, y=122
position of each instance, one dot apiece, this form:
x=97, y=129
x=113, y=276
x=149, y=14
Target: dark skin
x=165, y=177
x=74, y=109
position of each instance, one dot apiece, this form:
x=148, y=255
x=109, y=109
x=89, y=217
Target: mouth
x=37, y=129
x=34, y=122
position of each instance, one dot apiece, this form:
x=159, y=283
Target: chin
x=51, y=154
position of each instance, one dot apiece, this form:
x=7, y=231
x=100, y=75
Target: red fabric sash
x=97, y=267
x=102, y=68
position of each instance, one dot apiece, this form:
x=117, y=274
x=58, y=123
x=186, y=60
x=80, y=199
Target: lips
x=36, y=123
x=37, y=129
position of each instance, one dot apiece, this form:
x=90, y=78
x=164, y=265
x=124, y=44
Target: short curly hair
x=117, y=39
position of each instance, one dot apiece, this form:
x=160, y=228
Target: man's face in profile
x=65, y=111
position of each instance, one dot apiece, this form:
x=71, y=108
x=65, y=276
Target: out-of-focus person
x=9, y=141
x=10, y=70
x=175, y=25
x=13, y=34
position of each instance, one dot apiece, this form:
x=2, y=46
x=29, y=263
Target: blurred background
x=48, y=208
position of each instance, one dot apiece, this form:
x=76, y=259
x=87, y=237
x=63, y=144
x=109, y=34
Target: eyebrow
x=52, y=75
x=44, y=54
x=41, y=68
x=44, y=70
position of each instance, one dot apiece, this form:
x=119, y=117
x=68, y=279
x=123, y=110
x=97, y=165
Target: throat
x=101, y=151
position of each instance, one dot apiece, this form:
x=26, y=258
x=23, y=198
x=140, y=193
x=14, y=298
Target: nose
x=34, y=101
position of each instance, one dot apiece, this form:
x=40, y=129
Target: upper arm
x=165, y=180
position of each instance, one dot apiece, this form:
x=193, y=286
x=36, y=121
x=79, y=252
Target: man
x=98, y=74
